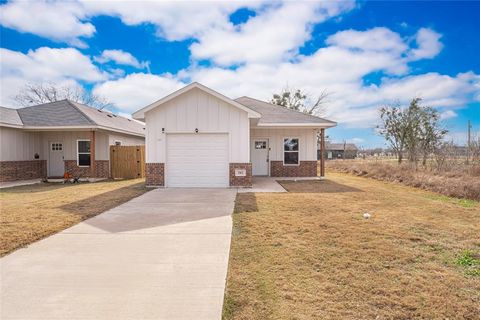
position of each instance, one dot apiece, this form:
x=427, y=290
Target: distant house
x=50, y=139
x=340, y=151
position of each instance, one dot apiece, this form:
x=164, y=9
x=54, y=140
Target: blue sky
x=366, y=54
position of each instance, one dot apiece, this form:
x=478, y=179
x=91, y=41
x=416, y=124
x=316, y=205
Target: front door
x=259, y=154
x=55, y=160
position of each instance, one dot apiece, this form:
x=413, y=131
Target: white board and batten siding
x=307, y=142
x=222, y=138
x=19, y=145
x=192, y=110
x=125, y=140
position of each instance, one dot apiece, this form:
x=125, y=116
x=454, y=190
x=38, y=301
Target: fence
x=127, y=162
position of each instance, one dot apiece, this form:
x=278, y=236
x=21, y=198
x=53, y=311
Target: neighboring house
x=196, y=137
x=50, y=139
x=340, y=151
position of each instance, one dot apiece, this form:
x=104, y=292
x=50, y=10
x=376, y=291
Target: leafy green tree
x=394, y=128
x=415, y=130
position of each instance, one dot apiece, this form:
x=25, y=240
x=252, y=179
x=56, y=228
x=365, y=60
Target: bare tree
x=298, y=100
x=39, y=93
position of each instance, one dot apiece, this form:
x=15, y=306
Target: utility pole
x=468, y=139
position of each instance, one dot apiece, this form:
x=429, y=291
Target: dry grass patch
x=460, y=182
x=312, y=255
x=30, y=213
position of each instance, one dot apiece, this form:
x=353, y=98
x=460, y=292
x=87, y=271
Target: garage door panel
x=197, y=160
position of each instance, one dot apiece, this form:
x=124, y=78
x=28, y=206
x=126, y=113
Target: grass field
x=310, y=253
x=458, y=180
x=29, y=213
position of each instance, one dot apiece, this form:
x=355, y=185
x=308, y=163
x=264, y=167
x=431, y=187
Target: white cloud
x=428, y=44
x=448, y=115
x=67, y=20
x=271, y=36
x=137, y=90
x=56, y=20
x=121, y=57
x=376, y=39
x=62, y=66
x=175, y=20
x=265, y=47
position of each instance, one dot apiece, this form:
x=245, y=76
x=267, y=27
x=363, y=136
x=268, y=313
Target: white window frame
x=283, y=152
x=78, y=153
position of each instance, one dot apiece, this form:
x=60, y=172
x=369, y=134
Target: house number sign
x=240, y=172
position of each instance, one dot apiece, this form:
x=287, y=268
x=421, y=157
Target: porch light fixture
x=163, y=130
x=196, y=130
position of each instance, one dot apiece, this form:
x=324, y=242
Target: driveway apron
x=163, y=255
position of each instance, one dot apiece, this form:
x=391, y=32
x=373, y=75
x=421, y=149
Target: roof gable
x=140, y=114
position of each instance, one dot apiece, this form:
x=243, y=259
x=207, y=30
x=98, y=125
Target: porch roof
x=277, y=116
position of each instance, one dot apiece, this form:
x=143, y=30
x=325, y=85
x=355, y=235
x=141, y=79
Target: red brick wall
x=102, y=169
x=22, y=170
x=155, y=174
x=305, y=169
x=240, y=181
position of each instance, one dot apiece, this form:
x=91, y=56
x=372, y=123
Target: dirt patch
x=314, y=256
x=316, y=186
x=30, y=213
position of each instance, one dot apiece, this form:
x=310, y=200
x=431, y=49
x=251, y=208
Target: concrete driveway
x=163, y=255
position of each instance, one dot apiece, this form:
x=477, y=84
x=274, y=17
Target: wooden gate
x=127, y=162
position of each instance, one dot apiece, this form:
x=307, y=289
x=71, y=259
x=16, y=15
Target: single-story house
x=340, y=151
x=197, y=137
x=50, y=139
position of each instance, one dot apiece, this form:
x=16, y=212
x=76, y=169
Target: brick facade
x=155, y=174
x=240, y=181
x=22, y=170
x=304, y=169
x=102, y=169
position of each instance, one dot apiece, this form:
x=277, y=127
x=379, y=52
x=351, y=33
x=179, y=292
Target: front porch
x=287, y=152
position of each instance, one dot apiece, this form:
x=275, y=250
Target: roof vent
x=109, y=115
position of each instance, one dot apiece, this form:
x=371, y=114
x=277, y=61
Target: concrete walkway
x=10, y=184
x=264, y=184
x=163, y=255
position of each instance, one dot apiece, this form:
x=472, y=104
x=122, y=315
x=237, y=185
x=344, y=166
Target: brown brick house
x=197, y=137
x=50, y=139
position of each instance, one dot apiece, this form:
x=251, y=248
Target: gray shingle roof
x=274, y=114
x=10, y=117
x=340, y=146
x=66, y=113
x=110, y=120
x=54, y=114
